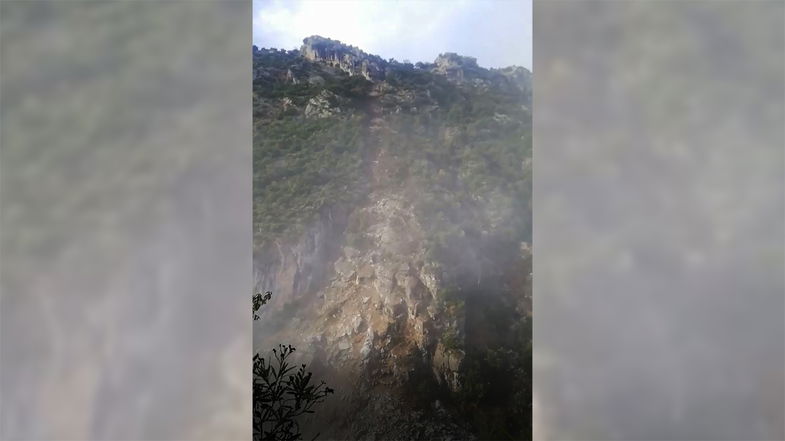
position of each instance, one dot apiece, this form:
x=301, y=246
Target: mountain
x=392, y=222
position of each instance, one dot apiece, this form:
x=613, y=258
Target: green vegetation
x=355, y=88
x=451, y=340
x=278, y=65
x=496, y=381
x=301, y=167
x=275, y=58
x=462, y=162
x=465, y=178
x=495, y=394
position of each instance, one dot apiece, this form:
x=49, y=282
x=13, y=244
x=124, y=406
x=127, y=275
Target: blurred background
x=126, y=249
x=658, y=220
x=125, y=220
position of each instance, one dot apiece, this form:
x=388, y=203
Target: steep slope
x=392, y=220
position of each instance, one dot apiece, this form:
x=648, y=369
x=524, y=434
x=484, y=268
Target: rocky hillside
x=392, y=221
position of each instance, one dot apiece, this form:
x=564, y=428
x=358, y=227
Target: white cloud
x=498, y=33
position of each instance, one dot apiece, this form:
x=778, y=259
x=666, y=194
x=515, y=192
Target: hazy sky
x=497, y=32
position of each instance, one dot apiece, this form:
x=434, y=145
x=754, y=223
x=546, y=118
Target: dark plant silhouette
x=281, y=392
x=258, y=301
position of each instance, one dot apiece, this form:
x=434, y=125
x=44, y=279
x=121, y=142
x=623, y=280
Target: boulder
x=323, y=105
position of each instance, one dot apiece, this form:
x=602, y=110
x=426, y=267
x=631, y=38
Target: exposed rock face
x=347, y=58
x=446, y=366
x=453, y=66
x=520, y=77
x=295, y=269
x=373, y=323
x=451, y=60
x=323, y=105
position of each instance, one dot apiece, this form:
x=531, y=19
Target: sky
x=496, y=32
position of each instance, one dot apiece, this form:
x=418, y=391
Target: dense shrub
x=302, y=166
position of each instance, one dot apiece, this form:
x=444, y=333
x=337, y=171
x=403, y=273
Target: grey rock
x=323, y=105
x=344, y=57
